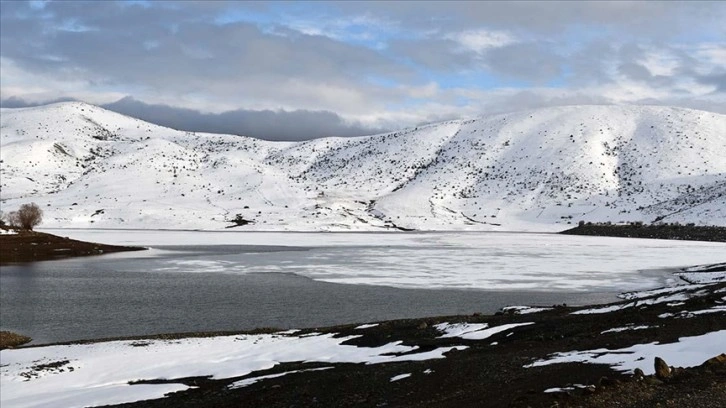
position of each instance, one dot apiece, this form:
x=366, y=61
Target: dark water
x=127, y=294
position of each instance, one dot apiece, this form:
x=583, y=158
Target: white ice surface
x=686, y=352
x=493, y=261
x=101, y=371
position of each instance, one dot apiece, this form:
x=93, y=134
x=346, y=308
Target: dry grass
x=11, y=340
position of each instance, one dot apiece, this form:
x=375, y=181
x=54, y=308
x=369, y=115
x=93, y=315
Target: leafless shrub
x=27, y=217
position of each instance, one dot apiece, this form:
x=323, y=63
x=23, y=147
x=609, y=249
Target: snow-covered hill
x=533, y=170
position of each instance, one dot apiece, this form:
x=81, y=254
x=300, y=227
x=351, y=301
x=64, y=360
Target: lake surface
x=290, y=280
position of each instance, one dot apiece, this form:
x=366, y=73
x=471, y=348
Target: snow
x=537, y=170
x=474, y=331
x=705, y=268
x=400, y=377
x=525, y=309
x=366, y=326
x=471, y=260
x=99, y=373
x=677, y=297
x=564, y=389
x=703, y=277
x=686, y=352
x=685, y=314
x=8, y=232
x=626, y=328
x=250, y=381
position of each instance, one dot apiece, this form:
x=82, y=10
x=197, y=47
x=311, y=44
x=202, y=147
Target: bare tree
x=27, y=217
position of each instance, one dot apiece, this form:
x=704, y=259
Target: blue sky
x=361, y=67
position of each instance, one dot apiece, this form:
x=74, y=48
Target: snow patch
x=626, y=328
x=400, y=377
x=91, y=382
x=524, y=309
x=474, y=331
x=686, y=352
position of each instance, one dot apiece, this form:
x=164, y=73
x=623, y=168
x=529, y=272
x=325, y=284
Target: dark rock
x=650, y=380
x=662, y=371
x=604, y=382
x=719, y=360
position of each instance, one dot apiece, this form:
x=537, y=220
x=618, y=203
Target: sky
x=300, y=70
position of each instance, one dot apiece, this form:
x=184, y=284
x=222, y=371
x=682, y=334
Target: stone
x=652, y=381
x=719, y=360
x=422, y=326
x=662, y=371
x=638, y=374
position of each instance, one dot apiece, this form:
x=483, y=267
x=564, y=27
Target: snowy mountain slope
x=533, y=170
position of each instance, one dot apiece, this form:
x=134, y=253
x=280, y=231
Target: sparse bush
x=27, y=217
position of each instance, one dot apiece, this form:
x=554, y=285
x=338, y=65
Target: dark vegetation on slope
x=28, y=246
x=688, y=232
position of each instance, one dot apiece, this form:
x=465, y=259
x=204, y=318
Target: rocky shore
x=654, y=348
x=501, y=370
x=27, y=246
x=688, y=232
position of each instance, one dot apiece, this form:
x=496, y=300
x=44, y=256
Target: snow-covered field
x=536, y=170
x=687, y=352
x=485, y=261
x=98, y=374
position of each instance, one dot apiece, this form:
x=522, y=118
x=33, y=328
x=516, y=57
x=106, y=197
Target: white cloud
x=481, y=40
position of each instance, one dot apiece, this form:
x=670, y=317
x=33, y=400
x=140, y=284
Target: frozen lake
x=205, y=281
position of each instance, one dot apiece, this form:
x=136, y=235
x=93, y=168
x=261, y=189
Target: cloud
x=350, y=67
x=263, y=124
x=15, y=102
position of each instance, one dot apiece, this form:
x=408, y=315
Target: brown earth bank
x=492, y=372
x=28, y=246
x=655, y=231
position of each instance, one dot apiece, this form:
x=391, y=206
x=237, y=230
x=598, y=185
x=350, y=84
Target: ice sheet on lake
x=98, y=374
x=487, y=261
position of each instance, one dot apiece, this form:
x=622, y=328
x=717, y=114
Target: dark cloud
x=261, y=124
x=717, y=79
x=15, y=102
x=264, y=124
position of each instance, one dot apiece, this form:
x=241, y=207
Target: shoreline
x=32, y=246
x=475, y=364
x=679, y=232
